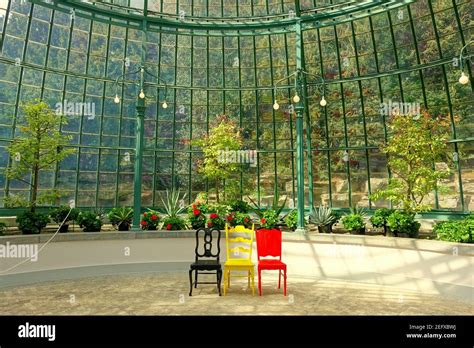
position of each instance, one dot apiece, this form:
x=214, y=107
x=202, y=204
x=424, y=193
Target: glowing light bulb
x=464, y=79
x=323, y=102
x=296, y=98
x=116, y=99
x=165, y=105
x=276, y=106
x=142, y=94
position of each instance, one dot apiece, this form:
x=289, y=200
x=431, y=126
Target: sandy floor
x=167, y=294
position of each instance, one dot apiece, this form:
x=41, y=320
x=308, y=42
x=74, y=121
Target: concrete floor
x=167, y=294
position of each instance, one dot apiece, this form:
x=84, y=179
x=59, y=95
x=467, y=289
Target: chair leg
x=228, y=278
x=219, y=277
x=196, y=279
x=284, y=284
x=279, y=278
x=259, y=282
x=190, y=282
x=248, y=278
x=252, y=274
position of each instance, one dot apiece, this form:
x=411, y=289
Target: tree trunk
x=34, y=188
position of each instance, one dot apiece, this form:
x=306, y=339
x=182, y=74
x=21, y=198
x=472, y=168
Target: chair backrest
x=210, y=246
x=269, y=243
x=239, y=241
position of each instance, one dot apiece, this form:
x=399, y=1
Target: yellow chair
x=239, y=241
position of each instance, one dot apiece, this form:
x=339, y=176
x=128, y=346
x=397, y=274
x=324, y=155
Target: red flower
x=213, y=216
x=194, y=206
x=196, y=212
x=230, y=218
x=246, y=220
x=144, y=214
x=263, y=220
x=154, y=217
x=168, y=227
x=143, y=223
x=209, y=224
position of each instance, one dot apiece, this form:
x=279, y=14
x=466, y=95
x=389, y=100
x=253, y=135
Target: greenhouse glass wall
x=246, y=60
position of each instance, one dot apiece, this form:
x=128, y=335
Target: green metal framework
x=225, y=57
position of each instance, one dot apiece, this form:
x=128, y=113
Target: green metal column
x=137, y=180
x=299, y=108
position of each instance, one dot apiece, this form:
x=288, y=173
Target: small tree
x=223, y=138
x=415, y=145
x=39, y=147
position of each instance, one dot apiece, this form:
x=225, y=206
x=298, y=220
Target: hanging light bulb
x=296, y=98
x=165, y=105
x=116, y=99
x=323, y=102
x=276, y=106
x=464, y=79
x=142, y=94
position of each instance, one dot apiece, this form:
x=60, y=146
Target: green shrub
x=269, y=219
x=197, y=214
x=59, y=214
x=174, y=223
x=239, y=206
x=379, y=219
x=291, y=220
x=3, y=228
x=32, y=223
x=403, y=222
x=238, y=218
x=214, y=220
x=353, y=222
x=90, y=221
x=121, y=218
x=459, y=231
x=150, y=221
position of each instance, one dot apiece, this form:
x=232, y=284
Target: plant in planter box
x=354, y=223
x=291, y=220
x=197, y=214
x=121, y=218
x=90, y=221
x=150, y=221
x=238, y=218
x=32, y=223
x=324, y=218
x=269, y=220
x=239, y=206
x=403, y=222
x=454, y=231
x=215, y=221
x=174, y=223
x=379, y=219
x=64, y=214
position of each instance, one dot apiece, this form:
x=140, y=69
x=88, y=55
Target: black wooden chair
x=206, y=259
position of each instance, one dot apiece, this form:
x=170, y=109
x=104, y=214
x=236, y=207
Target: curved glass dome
x=208, y=58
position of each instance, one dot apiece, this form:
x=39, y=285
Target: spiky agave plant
x=171, y=202
x=323, y=216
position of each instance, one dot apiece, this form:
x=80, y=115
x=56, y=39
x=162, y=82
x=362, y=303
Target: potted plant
x=32, y=222
x=63, y=215
x=90, y=221
x=354, y=222
x=291, y=220
x=402, y=222
x=239, y=219
x=324, y=218
x=215, y=221
x=150, y=221
x=172, y=207
x=121, y=218
x=379, y=219
x=197, y=214
x=269, y=220
x=239, y=206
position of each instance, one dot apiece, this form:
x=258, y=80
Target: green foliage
x=3, y=228
x=150, y=220
x=238, y=218
x=413, y=147
x=239, y=206
x=171, y=203
x=323, y=216
x=222, y=137
x=121, y=217
x=291, y=220
x=215, y=220
x=197, y=214
x=261, y=209
x=39, y=147
x=64, y=212
x=32, y=222
x=403, y=222
x=269, y=219
x=358, y=211
x=460, y=231
x=174, y=223
x=379, y=219
x=353, y=222
x=90, y=221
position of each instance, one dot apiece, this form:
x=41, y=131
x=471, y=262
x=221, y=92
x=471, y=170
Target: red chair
x=269, y=244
